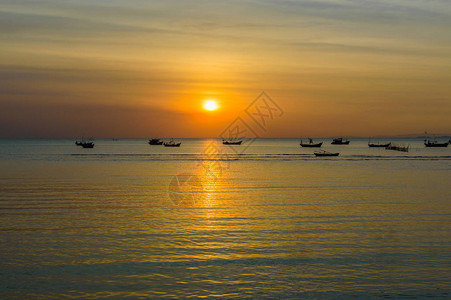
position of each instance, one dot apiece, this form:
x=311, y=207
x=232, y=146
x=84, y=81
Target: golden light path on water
x=111, y=223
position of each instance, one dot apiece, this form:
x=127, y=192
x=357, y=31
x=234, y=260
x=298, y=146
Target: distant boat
x=171, y=143
x=88, y=145
x=311, y=144
x=429, y=143
x=85, y=143
x=397, y=148
x=155, y=142
x=325, y=153
x=231, y=142
x=340, y=141
x=379, y=145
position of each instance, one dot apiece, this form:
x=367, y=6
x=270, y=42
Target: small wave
x=250, y=157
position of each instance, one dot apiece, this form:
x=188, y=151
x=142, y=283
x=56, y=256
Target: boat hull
x=341, y=143
x=323, y=154
x=435, y=145
x=379, y=145
x=397, y=148
x=87, y=145
x=232, y=143
x=155, y=142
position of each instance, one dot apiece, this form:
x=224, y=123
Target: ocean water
x=266, y=219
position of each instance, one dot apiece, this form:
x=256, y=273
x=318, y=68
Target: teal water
x=265, y=220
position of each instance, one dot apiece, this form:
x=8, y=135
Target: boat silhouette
x=155, y=142
x=311, y=144
x=231, y=142
x=397, y=148
x=325, y=153
x=85, y=143
x=340, y=141
x=88, y=145
x=171, y=143
x=379, y=145
x=434, y=143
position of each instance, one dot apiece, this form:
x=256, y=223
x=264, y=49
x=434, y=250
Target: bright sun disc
x=210, y=105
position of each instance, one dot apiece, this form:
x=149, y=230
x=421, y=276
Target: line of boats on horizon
x=171, y=143
x=388, y=146
x=88, y=143
x=341, y=141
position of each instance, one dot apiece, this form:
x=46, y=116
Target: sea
x=263, y=220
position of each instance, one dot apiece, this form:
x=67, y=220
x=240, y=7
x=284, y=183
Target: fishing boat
x=171, y=143
x=325, y=153
x=379, y=145
x=434, y=143
x=311, y=144
x=87, y=145
x=397, y=148
x=155, y=142
x=340, y=141
x=231, y=142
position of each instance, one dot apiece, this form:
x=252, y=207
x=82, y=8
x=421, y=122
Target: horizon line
x=306, y=137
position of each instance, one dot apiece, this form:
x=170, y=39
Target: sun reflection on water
x=262, y=228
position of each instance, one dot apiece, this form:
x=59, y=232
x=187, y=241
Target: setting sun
x=210, y=105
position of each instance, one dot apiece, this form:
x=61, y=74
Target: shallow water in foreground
x=127, y=220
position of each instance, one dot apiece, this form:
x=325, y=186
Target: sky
x=141, y=68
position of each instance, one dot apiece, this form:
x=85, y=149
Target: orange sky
x=144, y=69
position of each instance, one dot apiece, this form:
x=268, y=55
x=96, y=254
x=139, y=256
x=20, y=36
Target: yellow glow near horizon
x=211, y=105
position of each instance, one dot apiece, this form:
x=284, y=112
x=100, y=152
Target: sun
x=211, y=105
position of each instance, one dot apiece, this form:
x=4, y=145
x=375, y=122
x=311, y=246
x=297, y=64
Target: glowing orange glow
x=211, y=105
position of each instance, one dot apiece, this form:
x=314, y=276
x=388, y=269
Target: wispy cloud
x=166, y=53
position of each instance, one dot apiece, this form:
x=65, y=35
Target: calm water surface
x=266, y=220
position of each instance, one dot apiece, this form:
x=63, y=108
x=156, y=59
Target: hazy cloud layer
x=320, y=59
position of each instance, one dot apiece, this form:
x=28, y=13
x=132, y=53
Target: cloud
x=157, y=53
